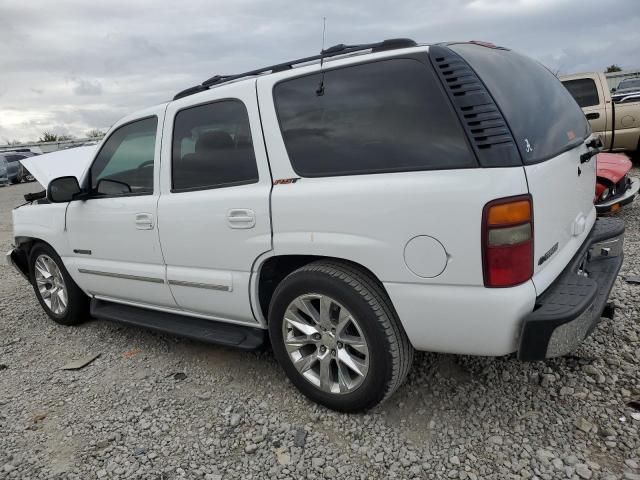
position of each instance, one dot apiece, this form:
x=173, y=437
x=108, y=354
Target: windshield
x=628, y=84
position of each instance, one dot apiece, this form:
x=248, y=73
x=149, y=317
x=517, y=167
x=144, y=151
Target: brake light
x=507, y=241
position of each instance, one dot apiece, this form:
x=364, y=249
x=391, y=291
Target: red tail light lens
x=507, y=241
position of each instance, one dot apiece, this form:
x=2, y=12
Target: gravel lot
x=159, y=407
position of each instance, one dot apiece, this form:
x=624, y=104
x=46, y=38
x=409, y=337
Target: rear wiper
x=595, y=145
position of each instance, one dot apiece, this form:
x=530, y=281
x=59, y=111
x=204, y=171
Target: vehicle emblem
x=285, y=181
x=548, y=255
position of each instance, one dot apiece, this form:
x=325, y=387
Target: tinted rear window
x=629, y=84
x=385, y=116
x=542, y=114
x=584, y=91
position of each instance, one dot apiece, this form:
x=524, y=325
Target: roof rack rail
x=340, y=49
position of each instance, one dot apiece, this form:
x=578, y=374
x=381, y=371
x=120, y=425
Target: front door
x=213, y=214
x=114, y=233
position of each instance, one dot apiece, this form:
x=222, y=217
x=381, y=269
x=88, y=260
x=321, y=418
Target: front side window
x=212, y=147
x=584, y=91
x=386, y=116
x=124, y=165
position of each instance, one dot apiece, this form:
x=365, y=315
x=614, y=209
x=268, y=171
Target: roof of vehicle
x=341, y=50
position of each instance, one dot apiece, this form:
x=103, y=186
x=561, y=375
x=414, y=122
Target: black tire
x=15, y=180
x=77, y=309
x=390, y=353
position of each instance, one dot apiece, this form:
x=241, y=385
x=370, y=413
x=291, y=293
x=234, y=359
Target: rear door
x=550, y=130
x=213, y=214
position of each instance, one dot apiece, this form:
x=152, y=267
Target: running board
x=210, y=331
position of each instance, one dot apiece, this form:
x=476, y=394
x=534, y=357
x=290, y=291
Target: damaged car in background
x=615, y=188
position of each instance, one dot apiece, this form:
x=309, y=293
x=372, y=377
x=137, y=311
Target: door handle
x=593, y=116
x=241, y=218
x=144, y=221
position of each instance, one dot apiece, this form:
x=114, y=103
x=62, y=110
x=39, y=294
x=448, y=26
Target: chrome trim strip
x=209, y=286
x=123, y=276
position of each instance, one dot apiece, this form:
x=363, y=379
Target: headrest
x=214, y=140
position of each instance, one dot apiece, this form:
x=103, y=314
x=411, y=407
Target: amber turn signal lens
x=509, y=213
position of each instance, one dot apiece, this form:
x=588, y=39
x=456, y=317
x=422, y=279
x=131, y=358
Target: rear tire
x=59, y=296
x=336, y=323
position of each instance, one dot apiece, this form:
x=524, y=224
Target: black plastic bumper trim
x=229, y=334
x=573, y=295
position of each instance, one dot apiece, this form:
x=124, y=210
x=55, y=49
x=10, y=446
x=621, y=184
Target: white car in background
x=349, y=207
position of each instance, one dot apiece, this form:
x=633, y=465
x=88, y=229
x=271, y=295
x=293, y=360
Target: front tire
x=335, y=333
x=58, y=294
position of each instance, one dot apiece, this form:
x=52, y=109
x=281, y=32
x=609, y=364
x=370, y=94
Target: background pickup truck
x=617, y=124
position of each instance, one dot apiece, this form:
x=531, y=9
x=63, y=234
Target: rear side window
x=584, y=91
x=212, y=147
x=542, y=114
x=386, y=116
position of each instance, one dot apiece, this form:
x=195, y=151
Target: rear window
x=635, y=83
x=584, y=91
x=542, y=114
x=386, y=116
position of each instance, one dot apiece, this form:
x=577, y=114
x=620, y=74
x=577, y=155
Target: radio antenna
x=320, y=90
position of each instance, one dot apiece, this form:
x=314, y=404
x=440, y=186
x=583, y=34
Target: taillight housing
x=507, y=241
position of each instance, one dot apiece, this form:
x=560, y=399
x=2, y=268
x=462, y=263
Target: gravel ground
x=159, y=407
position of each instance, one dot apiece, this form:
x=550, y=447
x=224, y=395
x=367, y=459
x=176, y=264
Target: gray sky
x=68, y=67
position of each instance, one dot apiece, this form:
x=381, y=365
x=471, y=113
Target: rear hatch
x=551, y=133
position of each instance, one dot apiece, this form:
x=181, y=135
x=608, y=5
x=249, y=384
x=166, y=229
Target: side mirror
x=613, y=90
x=63, y=189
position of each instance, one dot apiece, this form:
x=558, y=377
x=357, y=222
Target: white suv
x=349, y=208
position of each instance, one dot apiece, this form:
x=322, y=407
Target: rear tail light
x=507, y=241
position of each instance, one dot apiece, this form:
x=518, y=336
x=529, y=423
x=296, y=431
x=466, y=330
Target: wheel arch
x=272, y=270
x=22, y=252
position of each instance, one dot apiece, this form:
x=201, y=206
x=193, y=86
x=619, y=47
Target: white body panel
x=72, y=162
x=566, y=222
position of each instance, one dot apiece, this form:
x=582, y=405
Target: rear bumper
x=627, y=197
x=568, y=311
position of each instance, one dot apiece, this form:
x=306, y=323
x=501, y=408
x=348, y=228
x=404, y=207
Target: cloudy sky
x=68, y=67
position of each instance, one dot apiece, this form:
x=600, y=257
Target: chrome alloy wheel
x=50, y=283
x=325, y=343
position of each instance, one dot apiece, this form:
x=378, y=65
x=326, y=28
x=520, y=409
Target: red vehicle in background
x=614, y=186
